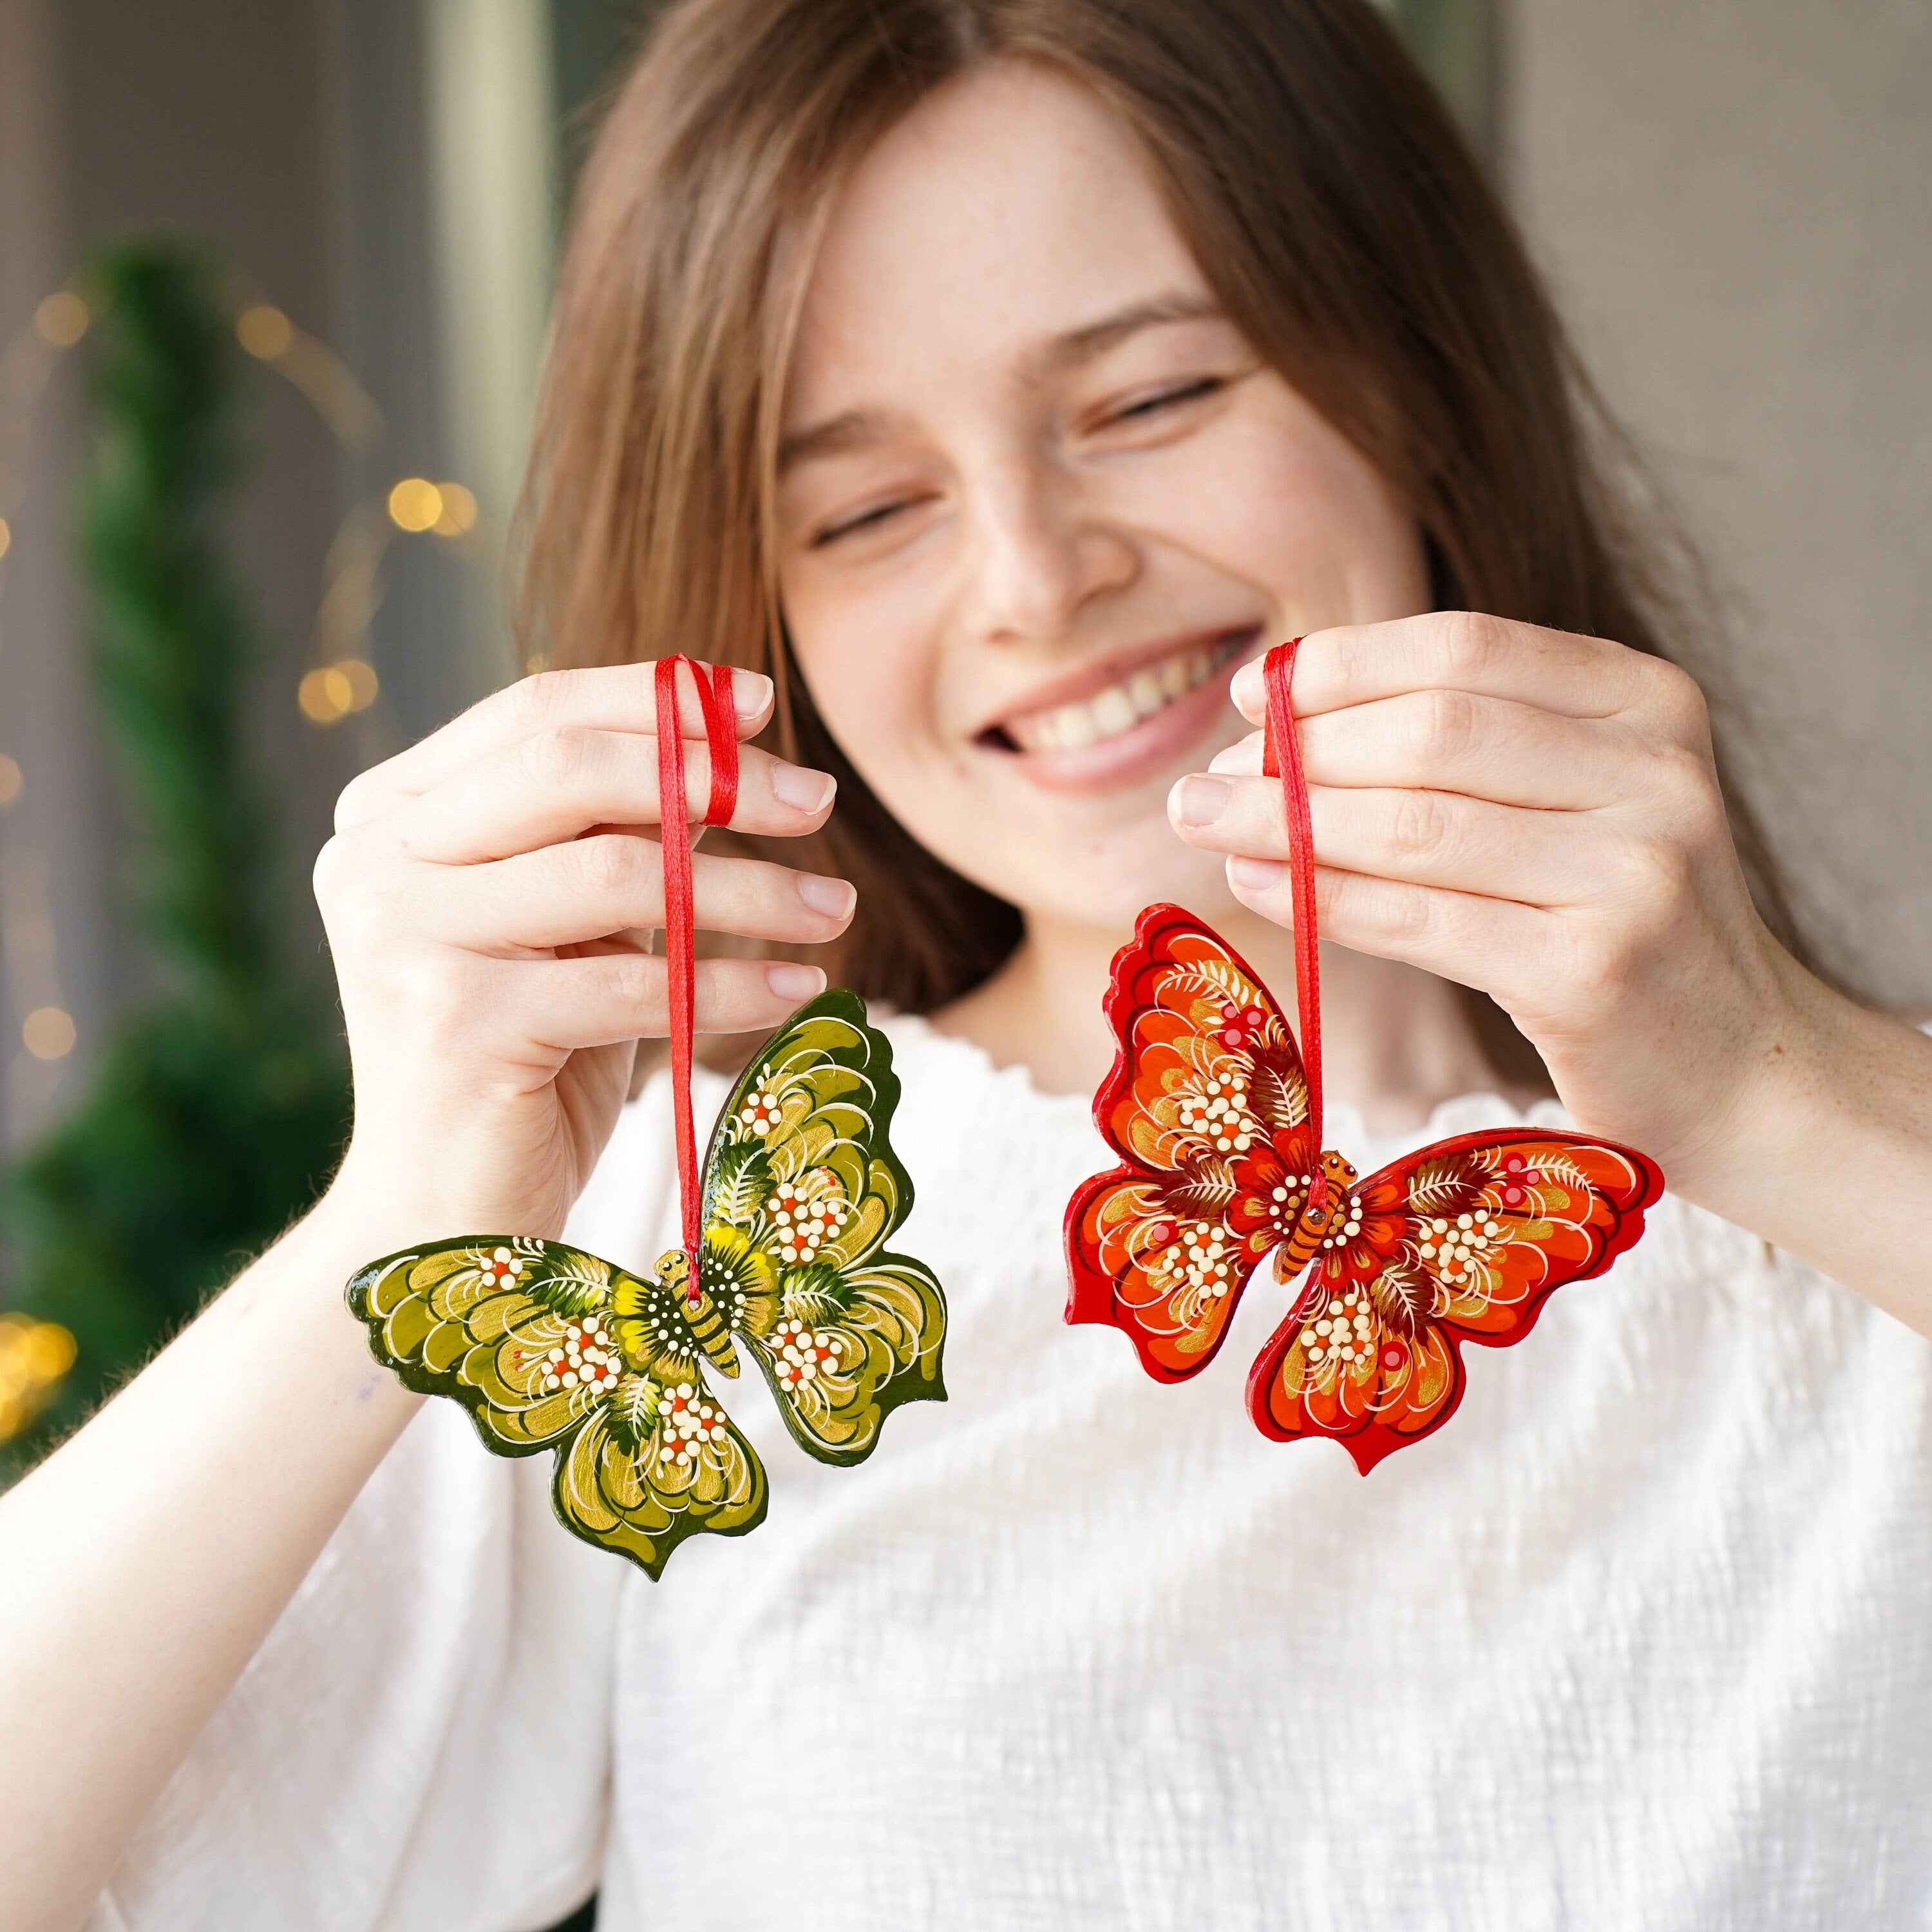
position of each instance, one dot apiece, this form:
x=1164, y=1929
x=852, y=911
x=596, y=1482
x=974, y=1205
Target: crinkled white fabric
x=1642, y=1640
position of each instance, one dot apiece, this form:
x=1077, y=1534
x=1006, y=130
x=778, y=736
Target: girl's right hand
x=487, y=896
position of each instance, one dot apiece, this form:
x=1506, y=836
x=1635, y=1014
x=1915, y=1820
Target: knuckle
x=1599, y=971
x=440, y=990
x=607, y=864
x=353, y=802
x=331, y=871
x=1687, y=791
x=1420, y=825
x=535, y=701
x=555, y=754
x=1678, y=701
x=1658, y=871
x=1472, y=644
x=1446, y=726
x=348, y=883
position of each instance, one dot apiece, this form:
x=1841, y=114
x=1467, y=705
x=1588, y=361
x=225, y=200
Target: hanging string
x=720, y=737
x=1281, y=758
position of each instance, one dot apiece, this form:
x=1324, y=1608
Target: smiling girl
x=996, y=380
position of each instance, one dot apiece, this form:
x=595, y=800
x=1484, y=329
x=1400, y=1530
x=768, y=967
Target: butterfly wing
x=547, y=1346
x=1207, y=1106
x=481, y=1319
x=1463, y=1241
x=802, y=1192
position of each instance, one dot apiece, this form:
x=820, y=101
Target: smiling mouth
x=1117, y=709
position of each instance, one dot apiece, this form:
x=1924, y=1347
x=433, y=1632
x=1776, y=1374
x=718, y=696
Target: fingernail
x=803, y=790
x=792, y=981
x=1200, y=801
x=834, y=898
x=1249, y=689
x=1258, y=875
x=751, y=690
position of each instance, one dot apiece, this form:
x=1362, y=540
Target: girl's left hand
x=1536, y=815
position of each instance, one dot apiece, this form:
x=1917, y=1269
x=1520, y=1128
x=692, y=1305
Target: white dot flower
x=802, y=1354
x=500, y=1268
x=687, y=1426
x=758, y=1112
x=1459, y=1249
x=806, y=1213
x=1218, y=1112
x=583, y=1358
x=1342, y=1337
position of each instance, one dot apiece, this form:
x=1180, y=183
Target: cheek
x=1278, y=499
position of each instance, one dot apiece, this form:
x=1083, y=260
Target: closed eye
x=866, y=520
x=1167, y=399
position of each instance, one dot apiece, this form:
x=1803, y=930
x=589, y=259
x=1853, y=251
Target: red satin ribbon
x=721, y=736
x=1281, y=758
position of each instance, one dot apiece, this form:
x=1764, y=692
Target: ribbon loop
x=720, y=738
x=1281, y=758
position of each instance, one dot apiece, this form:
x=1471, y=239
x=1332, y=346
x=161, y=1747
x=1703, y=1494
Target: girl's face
x=1039, y=497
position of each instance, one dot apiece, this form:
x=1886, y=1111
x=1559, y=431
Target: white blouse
x=1642, y=1638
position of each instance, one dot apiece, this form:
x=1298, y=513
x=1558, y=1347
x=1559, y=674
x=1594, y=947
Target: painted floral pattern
x=1207, y=1106
x=550, y=1348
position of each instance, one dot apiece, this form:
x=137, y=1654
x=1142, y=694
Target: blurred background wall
x=1731, y=196
x=1727, y=193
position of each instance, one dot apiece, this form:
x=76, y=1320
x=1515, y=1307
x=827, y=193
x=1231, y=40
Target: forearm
x=143, y=1564
x=1827, y=1150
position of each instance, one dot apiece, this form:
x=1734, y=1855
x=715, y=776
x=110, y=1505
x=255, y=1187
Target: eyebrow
x=855, y=429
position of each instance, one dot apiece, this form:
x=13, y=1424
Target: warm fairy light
x=361, y=680
x=329, y=693
x=11, y=781
x=415, y=505
x=264, y=331
x=48, y=1033
x=62, y=320
x=34, y=1356
x=6, y=536
x=323, y=695
x=459, y=511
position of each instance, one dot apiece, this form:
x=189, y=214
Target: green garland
x=216, y=1111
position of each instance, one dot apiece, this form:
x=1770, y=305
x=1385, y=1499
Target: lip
x=1096, y=676
x=1152, y=745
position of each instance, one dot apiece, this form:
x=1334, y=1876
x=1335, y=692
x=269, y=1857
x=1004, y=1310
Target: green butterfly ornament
x=550, y=1348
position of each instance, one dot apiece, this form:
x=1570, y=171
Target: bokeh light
x=415, y=505
x=330, y=692
x=264, y=331
x=62, y=320
x=34, y=1356
x=48, y=1033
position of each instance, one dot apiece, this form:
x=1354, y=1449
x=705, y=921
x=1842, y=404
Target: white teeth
x=1108, y=713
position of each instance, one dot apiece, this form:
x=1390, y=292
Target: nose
x=1038, y=556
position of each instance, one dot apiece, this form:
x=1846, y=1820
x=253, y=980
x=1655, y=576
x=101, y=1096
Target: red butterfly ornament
x=1215, y=1112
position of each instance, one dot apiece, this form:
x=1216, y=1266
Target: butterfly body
x=548, y=1347
x=1208, y=1104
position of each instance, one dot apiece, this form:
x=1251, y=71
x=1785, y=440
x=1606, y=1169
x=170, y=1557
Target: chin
x=1106, y=889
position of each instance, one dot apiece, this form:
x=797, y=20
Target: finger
x=1422, y=837
x=1458, y=936
x=1461, y=650
x=613, y=883
x=597, y=1001
x=601, y=698
x=1450, y=741
x=564, y=782
x=1488, y=748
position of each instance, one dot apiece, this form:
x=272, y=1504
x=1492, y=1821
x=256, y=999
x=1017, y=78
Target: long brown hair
x=1332, y=205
